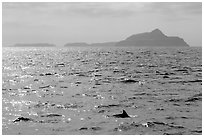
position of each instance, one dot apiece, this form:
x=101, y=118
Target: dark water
x=77, y=91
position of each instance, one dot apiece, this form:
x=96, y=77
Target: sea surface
x=81, y=90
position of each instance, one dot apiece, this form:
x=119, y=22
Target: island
x=77, y=44
x=83, y=44
x=34, y=45
x=155, y=38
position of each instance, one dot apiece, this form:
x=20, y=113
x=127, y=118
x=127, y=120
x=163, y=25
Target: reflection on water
x=80, y=91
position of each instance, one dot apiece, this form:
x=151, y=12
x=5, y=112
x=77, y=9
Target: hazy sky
x=60, y=23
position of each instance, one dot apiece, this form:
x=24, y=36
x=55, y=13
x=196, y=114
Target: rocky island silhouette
x=155, y=38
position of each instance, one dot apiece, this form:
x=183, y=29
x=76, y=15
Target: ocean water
x=80, y=90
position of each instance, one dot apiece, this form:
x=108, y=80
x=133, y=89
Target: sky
x=66, y=22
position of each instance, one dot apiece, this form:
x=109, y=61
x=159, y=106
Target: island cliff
x=154, y=38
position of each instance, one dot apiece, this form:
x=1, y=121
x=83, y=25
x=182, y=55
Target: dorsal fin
x=122, y=115
x=125, y=113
